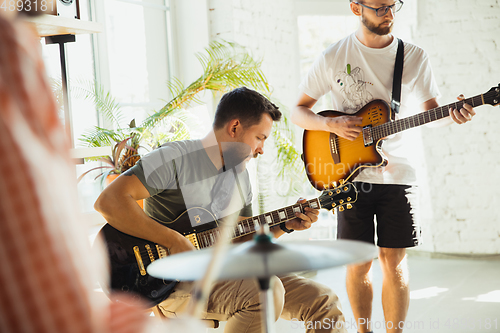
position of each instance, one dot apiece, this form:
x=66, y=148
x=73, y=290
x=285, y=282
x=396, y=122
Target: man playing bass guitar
x=357, y=70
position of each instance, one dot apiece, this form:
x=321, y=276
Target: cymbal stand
x=262, y=241
x=267, y=300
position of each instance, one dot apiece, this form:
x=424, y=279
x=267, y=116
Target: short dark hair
x=246, y=105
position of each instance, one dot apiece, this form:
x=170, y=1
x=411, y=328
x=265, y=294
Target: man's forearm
x=123, y=213
x=307, y=119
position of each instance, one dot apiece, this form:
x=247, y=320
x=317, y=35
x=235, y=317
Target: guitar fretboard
x=249, y=225
x=393, y=127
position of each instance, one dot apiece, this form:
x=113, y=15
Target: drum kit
x=263, y=258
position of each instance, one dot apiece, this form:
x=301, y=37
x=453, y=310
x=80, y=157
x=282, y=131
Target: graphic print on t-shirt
x=353, y=89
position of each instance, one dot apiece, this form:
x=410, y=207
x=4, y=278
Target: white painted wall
x=461, y=211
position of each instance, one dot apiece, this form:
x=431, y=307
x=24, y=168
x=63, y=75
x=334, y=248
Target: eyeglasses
x=383, y=10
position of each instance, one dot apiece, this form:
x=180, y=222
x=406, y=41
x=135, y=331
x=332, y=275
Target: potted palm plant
x=122, y=158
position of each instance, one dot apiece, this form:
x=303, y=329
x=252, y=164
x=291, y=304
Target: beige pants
x=307, y=304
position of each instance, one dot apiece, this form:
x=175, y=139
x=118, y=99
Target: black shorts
x=393, y=205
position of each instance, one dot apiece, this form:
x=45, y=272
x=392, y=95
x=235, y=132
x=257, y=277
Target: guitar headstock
x=340, y=196
x=492, y=96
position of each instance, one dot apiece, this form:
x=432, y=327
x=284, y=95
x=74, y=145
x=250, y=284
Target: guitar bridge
x=334, y=149
x=367, y=135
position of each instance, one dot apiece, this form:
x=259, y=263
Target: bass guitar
x=129, y=256
x=330, y=158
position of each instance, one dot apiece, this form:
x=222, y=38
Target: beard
x=377, y=29
x=236, y=155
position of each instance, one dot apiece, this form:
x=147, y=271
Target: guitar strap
x=240, y=190
x=396, y=82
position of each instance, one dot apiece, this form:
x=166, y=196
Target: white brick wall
x=268, y=30
x=459, y=179
x=462, y=177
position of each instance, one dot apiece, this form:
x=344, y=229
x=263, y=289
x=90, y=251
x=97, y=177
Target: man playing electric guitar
x=192, y=173
x=357, y=70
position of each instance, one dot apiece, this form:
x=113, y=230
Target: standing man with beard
x=356, y=70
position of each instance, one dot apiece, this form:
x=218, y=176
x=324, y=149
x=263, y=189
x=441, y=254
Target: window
x=130, y=59
x=137, y=55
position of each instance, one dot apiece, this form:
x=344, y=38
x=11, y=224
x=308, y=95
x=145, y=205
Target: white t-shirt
x=356, y=74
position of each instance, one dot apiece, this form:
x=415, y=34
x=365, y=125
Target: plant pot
x=112, y=177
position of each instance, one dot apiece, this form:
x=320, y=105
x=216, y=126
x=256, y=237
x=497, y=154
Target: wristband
x=285, y=229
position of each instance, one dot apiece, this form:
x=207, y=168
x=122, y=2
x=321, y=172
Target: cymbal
x=264, y=259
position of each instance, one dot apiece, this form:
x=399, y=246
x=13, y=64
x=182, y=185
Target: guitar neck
x=425, y=117
x=249, y=225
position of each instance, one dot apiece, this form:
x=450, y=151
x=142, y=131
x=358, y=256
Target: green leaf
x=105, y=103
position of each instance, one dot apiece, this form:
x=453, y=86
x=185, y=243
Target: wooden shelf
x=51, y=25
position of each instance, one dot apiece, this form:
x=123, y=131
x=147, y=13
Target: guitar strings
x=205, y=240
x=393, y=127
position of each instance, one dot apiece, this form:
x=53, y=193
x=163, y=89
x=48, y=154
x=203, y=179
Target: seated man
x=187, y=174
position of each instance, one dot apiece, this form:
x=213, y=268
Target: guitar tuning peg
x=333, y=211
x=341, y=208
x=349, y=206
x=342, y=181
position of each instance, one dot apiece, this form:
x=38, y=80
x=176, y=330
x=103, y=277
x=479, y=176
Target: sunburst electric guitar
x=129, y=256
x=330, y=159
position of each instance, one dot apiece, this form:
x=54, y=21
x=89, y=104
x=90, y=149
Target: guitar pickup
x=150, y=253
x=192, y=238
x=367, y=135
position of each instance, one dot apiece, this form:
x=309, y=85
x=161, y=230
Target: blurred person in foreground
x=47, y=276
